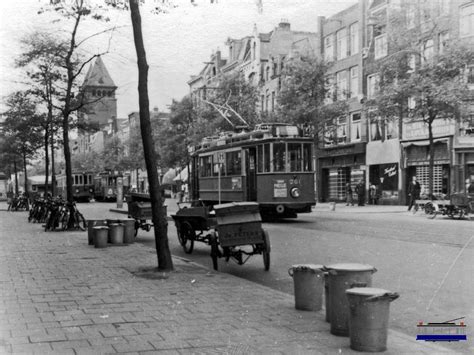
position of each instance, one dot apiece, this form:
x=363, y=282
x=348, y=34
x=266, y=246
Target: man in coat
x=414, y=190
x=360, y=190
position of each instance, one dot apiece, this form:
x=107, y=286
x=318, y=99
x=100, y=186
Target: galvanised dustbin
x=342, y=277
x=100, y=235
x=308, y=282
x=91, y=223
x=368, y=317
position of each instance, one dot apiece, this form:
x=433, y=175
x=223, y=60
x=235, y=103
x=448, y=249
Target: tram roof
x=263, y=131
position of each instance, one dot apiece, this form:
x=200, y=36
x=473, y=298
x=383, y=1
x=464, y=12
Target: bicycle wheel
x=64, y=221
x=80, y=221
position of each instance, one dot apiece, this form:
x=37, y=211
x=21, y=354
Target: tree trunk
x=16, y=177
x=431, y=158
x=26, y=181
x=160, y=223
x=53, y=173
x=46, y=160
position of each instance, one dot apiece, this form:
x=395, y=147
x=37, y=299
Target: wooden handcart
x=233, y=231
x=139, y=208
x=459, y=205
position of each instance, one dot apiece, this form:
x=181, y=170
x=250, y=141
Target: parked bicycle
x=71, y=218
x=19, y=203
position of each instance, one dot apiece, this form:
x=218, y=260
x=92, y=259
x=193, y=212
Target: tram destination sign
x=279, y=188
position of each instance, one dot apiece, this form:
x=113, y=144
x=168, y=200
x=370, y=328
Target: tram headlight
x=77, y=191
x=295, y=192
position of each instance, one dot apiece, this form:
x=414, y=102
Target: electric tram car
x=82, y=186
x=271, y=165
x=105, y=186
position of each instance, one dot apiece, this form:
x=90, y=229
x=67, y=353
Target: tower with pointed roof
x=99, y=93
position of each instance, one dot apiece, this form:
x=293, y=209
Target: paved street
x=61, y=296
x=429, y=262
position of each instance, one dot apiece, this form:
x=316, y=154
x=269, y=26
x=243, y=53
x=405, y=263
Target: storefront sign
x=391, y=171
x=279, y=188
x=419, y=129
x=346, y=150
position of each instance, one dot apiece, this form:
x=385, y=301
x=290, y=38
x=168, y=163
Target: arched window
x=93, y=93
x=254, y=55
x=267, y=73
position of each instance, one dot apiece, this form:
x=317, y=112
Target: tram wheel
x=186, y=236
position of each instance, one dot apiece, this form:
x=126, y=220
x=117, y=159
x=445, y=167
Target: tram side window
x=307, y=157
x=234, y=163
x=206, y=166
x=295, y=156
x=263, y=158
x=279, y=156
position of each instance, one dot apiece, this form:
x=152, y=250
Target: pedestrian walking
x=360, y=190
x=414, y=190
x=349, y=199
x=373, y=194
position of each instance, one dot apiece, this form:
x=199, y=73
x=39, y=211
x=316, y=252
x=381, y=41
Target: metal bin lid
x=350, y=267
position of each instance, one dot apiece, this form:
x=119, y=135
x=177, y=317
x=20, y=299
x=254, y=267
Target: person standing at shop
x=360, y=190
x=414, y=190
x=349, y=200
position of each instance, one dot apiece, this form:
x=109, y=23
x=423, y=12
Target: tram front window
x=279, y=156
x=295, y=155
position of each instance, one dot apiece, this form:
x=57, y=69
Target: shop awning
x=425, y=142
x=183, y=175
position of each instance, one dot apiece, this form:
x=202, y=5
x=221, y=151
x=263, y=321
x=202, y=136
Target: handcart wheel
x=431, y=209
x=186, y=236
x=266, y=250
x=214, y=251
x=458, y=214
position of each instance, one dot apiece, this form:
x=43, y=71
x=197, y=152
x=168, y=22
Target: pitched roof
x=97, y=75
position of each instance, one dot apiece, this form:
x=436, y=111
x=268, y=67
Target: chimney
x=284, y=25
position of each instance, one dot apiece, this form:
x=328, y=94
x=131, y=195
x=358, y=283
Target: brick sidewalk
x=62, y=296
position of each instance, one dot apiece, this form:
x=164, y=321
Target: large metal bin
x=238, y=223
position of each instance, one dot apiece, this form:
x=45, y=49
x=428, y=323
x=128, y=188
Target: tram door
x=251, y=174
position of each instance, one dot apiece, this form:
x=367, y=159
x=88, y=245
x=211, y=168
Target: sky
x=177, y=43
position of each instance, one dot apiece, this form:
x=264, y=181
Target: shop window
x=279, y=157
x=385, y=179
x=295, y=156
x=234, y=163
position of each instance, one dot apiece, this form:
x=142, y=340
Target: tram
x=82, y=186
x=271, y=165
x=105, y=185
